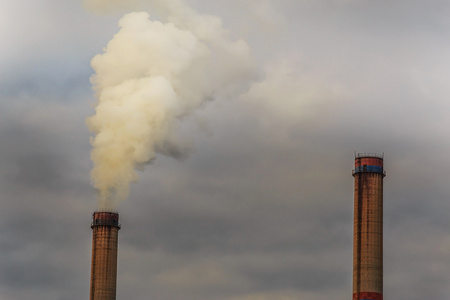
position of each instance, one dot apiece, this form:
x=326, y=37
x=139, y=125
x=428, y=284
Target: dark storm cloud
x=179, y=231
x=34, y=149
x=44, y=158
x=44, y=152
x=299, y=277
x=270, y=213
x=35, y=165
x=47, y=80
x=40, y=185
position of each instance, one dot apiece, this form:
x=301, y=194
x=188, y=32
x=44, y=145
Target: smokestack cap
x=369, y=163
x=105, y=217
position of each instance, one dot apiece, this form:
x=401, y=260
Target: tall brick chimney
x=368, y=227
x=105, y=228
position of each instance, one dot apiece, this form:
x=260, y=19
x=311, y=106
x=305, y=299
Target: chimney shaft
x=105, y=228
x=368, y=227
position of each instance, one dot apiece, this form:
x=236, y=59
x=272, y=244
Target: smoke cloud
x=151, y=74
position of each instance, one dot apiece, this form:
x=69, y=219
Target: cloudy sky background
x=261, y=208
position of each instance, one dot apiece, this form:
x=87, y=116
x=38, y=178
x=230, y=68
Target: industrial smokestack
x=368, y=227
x=105, y=228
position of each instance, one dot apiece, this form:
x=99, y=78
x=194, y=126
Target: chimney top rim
x=365, y=154
x=107, y=210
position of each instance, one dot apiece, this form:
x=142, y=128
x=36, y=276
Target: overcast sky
x=261, y=206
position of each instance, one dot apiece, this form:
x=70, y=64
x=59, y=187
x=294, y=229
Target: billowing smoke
x=151, y=74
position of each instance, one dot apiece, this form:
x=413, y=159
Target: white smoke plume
x=151, y=74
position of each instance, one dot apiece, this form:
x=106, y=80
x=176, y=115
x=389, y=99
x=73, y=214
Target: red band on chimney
x=367, y=296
